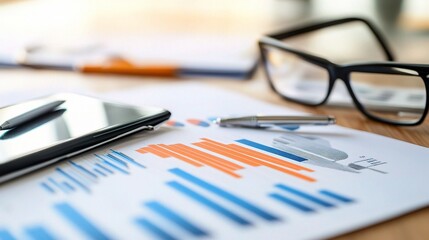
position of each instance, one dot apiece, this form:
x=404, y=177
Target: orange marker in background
x=121, y=66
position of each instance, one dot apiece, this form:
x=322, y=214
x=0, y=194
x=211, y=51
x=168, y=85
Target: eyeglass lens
x=296, y=78
x=398, y=98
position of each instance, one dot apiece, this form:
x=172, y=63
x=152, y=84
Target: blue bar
x=126, y=157
x=336, y=196
x=304, y=195
x=77, y=182
x=119, y=161
x=175, y=218
x=56, y=184
x=291, y=202
x=155, y=230
x=104, y=168
x=111, y=165
x=99, y=172
x=224, y=194
x=115, y=167
x=271, y=150
x=38, y=233
x=208, y=203
x=79, y=221
x=68, y=186
x=84, y=170
x=5, y=235
x=47, y=187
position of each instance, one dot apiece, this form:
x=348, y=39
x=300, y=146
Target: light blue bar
x=38, y=233
x=170, y=215
x=155, y=230
x=104, y=168
x=80, y=222
x=5, y=235
x=82, y=169
x=291, y=203
x=74, y=180
x=208, y=203
x=336, y=196
x=68, y=186
x=56, y=184
x=126, y=157
x=271, y=150
x=47, y=188
x=304, y=195
x=119, y=161
x=100, y=172
x=115, y=167
x=224, y=194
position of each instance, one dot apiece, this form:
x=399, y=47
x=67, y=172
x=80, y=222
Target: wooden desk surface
x=250, y=18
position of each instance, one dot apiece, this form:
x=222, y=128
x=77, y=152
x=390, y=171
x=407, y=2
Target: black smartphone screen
x=78, y=123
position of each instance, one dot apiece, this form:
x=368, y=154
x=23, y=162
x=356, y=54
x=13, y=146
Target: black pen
x=30, y=115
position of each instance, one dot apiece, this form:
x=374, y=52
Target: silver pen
x=30, y=115
x=259, y=121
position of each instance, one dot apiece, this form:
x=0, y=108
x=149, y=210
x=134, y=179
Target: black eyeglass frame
x=337, y=71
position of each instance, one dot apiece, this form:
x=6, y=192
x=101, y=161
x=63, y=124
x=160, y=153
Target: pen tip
x=217, y=121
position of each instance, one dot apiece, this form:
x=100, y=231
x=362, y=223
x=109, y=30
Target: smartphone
x=79, y=124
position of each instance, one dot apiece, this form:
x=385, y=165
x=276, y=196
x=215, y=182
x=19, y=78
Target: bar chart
x=172, y=123
x=307, y=202
x=242, y=157
x=367, y=163
x=192, y=229
x=163, y=219
x=198, y=122
x=318, y=151
x=72, y=176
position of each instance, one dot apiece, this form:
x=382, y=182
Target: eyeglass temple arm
x=305, y=29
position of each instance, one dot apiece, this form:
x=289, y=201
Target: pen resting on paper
x=258, y=121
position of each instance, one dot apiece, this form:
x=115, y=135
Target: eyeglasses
x=389, y=92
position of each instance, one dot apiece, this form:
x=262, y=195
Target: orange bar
x=272, y=166
x=228, y=153
x=214, y=142
x=258, y=155
x=194, y=156
x=218, y=160
x=290, y=172
x=141, y=150
x=163, y=153
x=163, y=148
x=268, y=158
x=154, y=151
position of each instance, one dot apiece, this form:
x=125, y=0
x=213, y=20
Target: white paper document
x=191, y=179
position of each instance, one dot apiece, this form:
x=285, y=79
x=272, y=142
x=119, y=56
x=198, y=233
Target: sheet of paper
x=196, y=51
x=191, y=179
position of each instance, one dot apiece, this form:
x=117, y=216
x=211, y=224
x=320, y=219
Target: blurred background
x=406, y=22
x=223, y=31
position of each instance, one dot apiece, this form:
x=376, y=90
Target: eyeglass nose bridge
x=338, y=72
x=342, y=73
